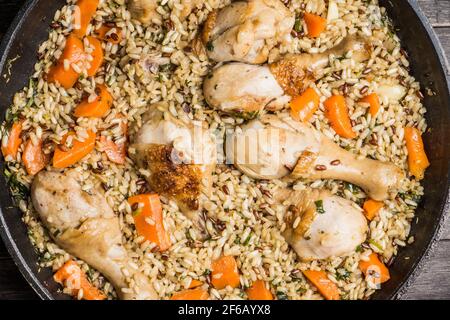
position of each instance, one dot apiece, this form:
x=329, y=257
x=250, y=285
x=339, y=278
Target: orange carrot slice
x=375, y=269
x=315, y=24
x=34, y=157
x=109, y=34
x=97, y=108
x=148, y=219
x=417, y=158
x=79, y=149
x=374, y=102
x=192, y=294
x=325, y=286
x=304, y=106
x=84, y=12
x=71, y=276
x=259, y=291
x=337, y=113
x=224, y=272
x=73, y=53
x=195, y=283
x=97, y=55
x=11, y=143
x=371, y=208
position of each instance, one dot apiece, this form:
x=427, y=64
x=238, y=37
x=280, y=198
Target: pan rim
x=5, y=233
x=397, y=293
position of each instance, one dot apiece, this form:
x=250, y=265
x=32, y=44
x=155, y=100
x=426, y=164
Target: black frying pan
x=30, y=28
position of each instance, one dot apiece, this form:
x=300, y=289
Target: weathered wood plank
x=437, y=11
x=444, y=37
x=433, y=282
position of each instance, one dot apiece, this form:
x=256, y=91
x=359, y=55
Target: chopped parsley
x=207, y=272
x=319, y=206
x=18, y=189
x=376, y=244
x=30, y=100
x=342, y=274
x=210, y=46
x=247, y=241
x=282, y=296
x=298, y=25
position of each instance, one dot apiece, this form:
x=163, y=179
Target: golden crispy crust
x=291, y=76
x=304, y=164
x=303, y=207
x=210, y=23
x=181, y=181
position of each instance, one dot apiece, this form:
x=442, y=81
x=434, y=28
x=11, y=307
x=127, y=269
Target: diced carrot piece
x=110, y=34
x=73, y=53
x=375, y=269
x=224, y=272
x=374, y=102
x=97, y=55
x=97, y=108
x=259, y=291
x=337, y=113
x=148, y=219
x=417, y=158
x=71, y=276
x=326, y=287
x=371, y=208
x=315, y=24
x=11, y=143
x=195, y=283
x=191, y=294
x=304, y=106
x=84, y=12
x=63, y=159
x=34, y=157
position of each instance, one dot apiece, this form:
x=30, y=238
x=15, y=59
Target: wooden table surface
x=433, y=281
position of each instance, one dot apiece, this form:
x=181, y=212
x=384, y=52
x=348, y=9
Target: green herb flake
x=342, y=274
x=247, y=241
x=136, y=212
x=207, y=272
x=298, y=25
x=210, y=46
x=319, y=206
x=18, y=189
x=359, y=249
x=376, y=244
x=282, y=296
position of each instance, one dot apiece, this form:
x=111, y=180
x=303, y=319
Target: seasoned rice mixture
x=248, y=223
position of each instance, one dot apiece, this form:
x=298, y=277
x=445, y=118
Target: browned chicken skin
x=85, y=226
x=240, y=87
x=245, y=31
x=274, y=147
x=320, y=225
x=180, y=158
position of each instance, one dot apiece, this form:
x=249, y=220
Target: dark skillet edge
x=401, y=289
x=444, y=209
x=5, y=234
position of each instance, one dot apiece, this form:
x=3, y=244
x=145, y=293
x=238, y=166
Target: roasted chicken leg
x=246, y=31
x=180, y=159
x=320, y=225
x=243, y=88
x=85, y=226
x=273, y=147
